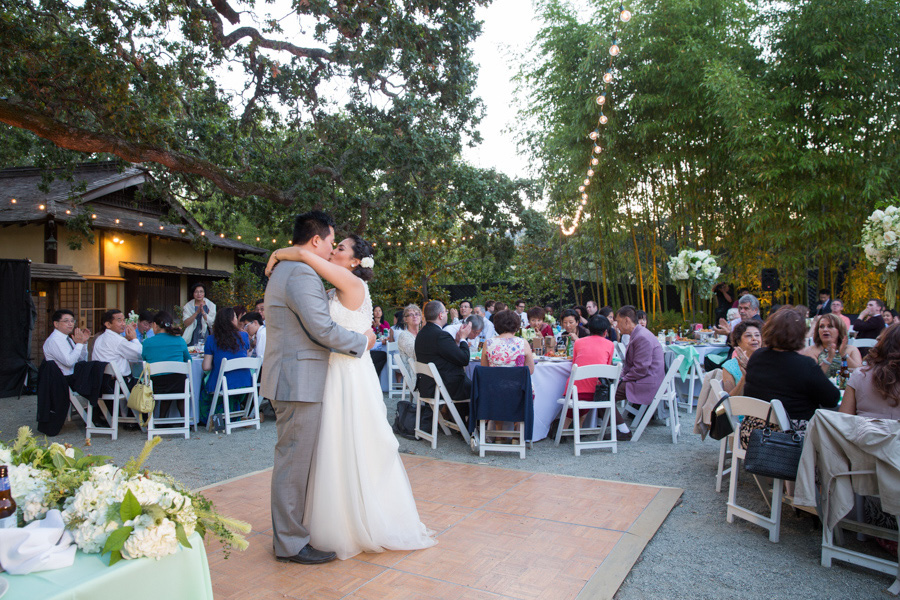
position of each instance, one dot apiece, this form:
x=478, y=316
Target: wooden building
x=143, y=255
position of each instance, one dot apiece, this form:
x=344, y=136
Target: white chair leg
x=775, y=528
x=643, y=417
x=576, y=426
x=435, y=415
x=483, y=437
x=559, y=426
x=723, y=445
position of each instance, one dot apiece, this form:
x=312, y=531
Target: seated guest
x=166, y=345
x=397, y=327
x=406, y=340
x=253, y=324
x=490, y=309
x=260, y=307
x=595, y=349
x=591, y=308
x=642, y=318
x=732, y=314
x=523, y=315
x=746, y=339
x=870, y=322
x=111, y=347
x=498, y=306
x=239, y=311
x=874, y=390
x=476, y=324
x=610, y=314
x=548, y=315
x=890, y=316
x=488, y=332
x=379, y=324
x=536, y=322
x=226, y=340
x=465, y=309
x=748, y=310
x=644, y=368
x=144, y=330
x=571, y=328
x=67, y=344
x=448, y=353
x=582, y=314
x=830, y=345
x=507, y=350
x=837, y=307
x=778, y=370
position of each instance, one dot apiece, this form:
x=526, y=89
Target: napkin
x=39, y=546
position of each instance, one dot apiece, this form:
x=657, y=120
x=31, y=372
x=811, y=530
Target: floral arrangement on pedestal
x=128, y=512
x=690, y=267
x=881, y=243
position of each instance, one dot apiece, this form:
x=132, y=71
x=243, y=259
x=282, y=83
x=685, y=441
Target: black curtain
x=16, y=324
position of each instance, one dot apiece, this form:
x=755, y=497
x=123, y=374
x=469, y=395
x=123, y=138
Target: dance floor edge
x=501, y=533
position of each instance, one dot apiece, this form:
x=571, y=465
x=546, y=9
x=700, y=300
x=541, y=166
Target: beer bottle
x=8, y=517
x=844, y=373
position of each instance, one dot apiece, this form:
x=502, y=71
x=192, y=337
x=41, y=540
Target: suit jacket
x=644, y=368
x=52, y=398
x=434, y=345
x=824, y=310
x=300, y=335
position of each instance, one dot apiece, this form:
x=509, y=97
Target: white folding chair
x=571, y=401
x=185, y=396
x=864, y=343
x=441, y=398
x=408, y=381
x=118, y=397
x=395, y=388
x=665, y=393
x=479, y=440
x=737, y=406
x=725, y=442
x=695, y=374
x=248, y=417
x=620, y=350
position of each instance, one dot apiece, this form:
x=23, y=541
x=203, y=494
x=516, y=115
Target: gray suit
x=301, y=336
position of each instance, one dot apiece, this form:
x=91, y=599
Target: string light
x=13, y=200
x=607, y=78
x=41, y=207
x=117, y=221
x=68, y=212
x=93, y=216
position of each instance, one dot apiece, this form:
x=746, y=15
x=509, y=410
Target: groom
x=301, y=336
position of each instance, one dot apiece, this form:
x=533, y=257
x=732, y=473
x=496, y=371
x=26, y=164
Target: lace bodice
x=359, y=320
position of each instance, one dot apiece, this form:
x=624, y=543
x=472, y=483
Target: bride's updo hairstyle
x=362, y=249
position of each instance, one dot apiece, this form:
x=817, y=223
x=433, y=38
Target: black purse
x=774, y=454
x=720, y=426
x=601, y=392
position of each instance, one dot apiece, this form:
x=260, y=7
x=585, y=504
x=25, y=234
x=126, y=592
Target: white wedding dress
x=359, y=497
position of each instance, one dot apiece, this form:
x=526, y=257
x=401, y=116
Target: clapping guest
x=199, y=313
x=406, y=339
x=165, y=345
x=746, y=339
x=253, y=324
x=450, y=355
x=143, y=330
x=111, y=347
x=571, y=327
x=67, y=344
x=226, y=341
x=475, y=324
x=830, y=345
x=874, y=390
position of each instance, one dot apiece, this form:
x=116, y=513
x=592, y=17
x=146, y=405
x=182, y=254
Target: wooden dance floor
x=501, y=534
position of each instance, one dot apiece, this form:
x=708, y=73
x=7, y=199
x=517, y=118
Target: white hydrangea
x=29, y=488
x=150, y=539
x=881, y=238
x=5, y=455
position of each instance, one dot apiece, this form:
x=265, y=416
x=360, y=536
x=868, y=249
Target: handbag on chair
x=720, y=426
x=140, y=400
x=774, y=454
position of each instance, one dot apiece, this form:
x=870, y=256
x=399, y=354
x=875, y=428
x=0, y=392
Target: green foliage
x=243, y=288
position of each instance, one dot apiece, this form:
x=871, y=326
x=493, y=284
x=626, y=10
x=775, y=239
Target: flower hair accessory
x=367, y=263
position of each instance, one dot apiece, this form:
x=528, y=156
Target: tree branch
x=81, y=140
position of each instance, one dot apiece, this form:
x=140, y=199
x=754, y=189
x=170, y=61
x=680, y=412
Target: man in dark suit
x=449, y=355
x=824, y=306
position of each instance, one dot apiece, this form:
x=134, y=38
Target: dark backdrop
x=16, y=324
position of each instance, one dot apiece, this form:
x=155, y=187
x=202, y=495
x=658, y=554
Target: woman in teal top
x=747, y=338
x=166, y=345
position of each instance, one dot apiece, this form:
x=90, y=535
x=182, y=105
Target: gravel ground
x=695, y=554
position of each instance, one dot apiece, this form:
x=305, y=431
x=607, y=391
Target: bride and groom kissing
x=338, y=485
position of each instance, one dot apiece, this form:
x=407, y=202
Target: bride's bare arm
x=349, y=286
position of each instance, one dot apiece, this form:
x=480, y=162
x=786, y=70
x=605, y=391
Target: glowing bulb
x=257, y=239
x=388, y=243
x=239, y=237
x=93, y=216
x=584, y=196
x=580, y=188
x=614, y=50
x=41, y=207
x=625, y=16
x=587, y=182
x=221, y=235
x=607, y=77
x=13, y=200
x=594, y=135
x=597, y=149
x=590, y=172
x=117, y=220
x=182, y=231
x=583, y=201
x=434, y=241
x=595, y=161
x=121, y=242
x=273, y=241
x=115, y=240
x=203, y=233
x=161, y=227
x=601, y=99
x=603, y=119
x=68, y=212
x=140, y=223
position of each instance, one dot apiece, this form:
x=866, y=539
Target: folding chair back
x=395, y=388
x=571, y=401
x=621, y=349
x=119, y=399
x=441, y=398
x=725, y=442
x=249, y=416
x=184, y=396
x=408, y=381
x=745, y=406
x=665, y=393
x=479, y=440
x=863, y=343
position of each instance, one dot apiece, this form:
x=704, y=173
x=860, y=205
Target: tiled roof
x=174, y=270
x=64, y=200
x=51, y=272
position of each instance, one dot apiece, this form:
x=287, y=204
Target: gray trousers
x=297, y=424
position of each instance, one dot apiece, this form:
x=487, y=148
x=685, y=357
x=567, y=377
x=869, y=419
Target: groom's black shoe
x=309, y=556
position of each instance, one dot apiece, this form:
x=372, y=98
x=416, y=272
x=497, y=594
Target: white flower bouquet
x=881, y=243
x=694, y=266
x=132, y=318
x=127, y=512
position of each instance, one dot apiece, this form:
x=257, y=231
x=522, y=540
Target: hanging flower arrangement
x=881, y=243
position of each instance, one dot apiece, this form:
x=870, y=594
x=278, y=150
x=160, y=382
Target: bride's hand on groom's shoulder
x=370, y=336
x=272, y=262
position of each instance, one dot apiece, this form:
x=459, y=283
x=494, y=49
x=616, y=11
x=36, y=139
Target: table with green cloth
x=184, y=574
x=692, y=366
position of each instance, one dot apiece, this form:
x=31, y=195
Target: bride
x=359, y=497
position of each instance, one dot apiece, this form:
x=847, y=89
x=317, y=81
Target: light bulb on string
x=594, y=134
x=584, y=196
x=597, y=150
x=595, y=161
x=587, y=182
x=590, y=172
x=603, y=118
x=580, y=188
x=601, y=99
x=614, y=49
x=624, y=15
x=608, y=76
x=583, y=201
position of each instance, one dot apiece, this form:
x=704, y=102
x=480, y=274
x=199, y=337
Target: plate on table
x=552, y=359
x=4, y=587
x=717, y=344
